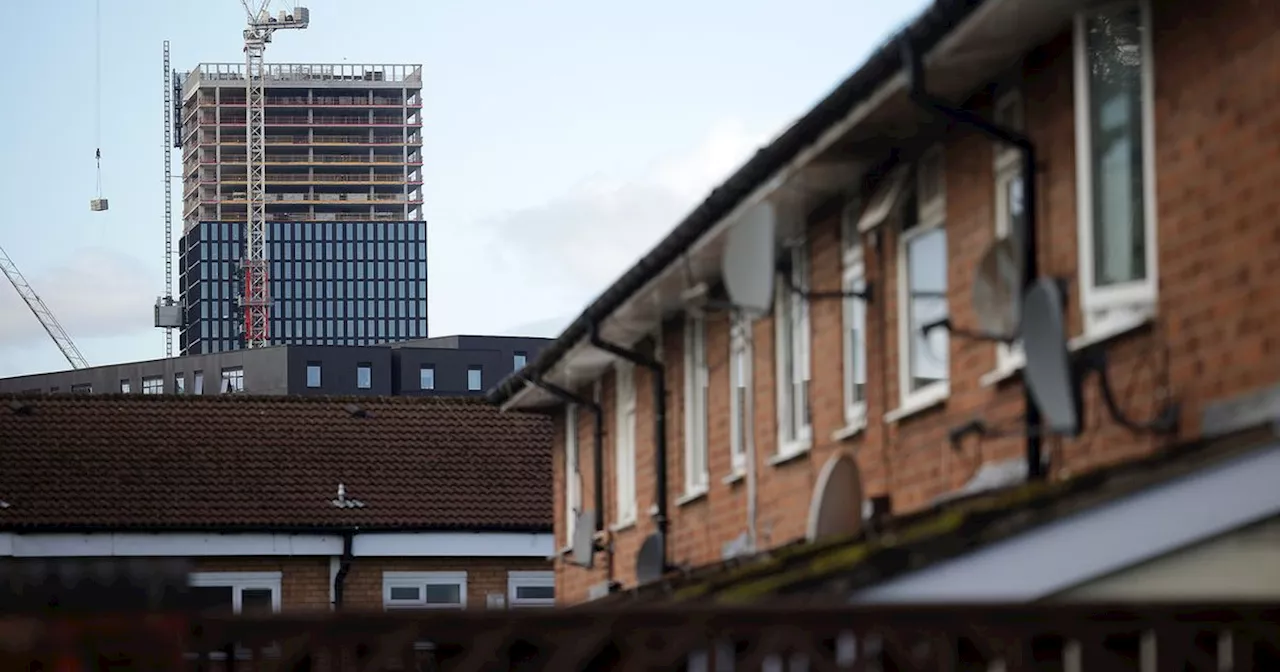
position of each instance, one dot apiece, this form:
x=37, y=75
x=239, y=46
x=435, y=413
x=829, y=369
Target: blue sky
x=563, y=138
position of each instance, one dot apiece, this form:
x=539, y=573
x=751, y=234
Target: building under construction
x=346, y=239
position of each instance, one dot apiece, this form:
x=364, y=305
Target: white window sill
x=691, y=497
x=850, y=430
x=790, y=452
x=1102, y=334
x=736, y=477
x=920, y=401
x=623, y=526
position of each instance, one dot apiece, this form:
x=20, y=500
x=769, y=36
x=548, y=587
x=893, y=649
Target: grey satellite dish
x=997, y=284
x=584, y=538
x=651, y=559
x=748, y=262
x=1054, y=386
x=836, y=507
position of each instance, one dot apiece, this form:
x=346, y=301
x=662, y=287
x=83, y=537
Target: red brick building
x=1157, y=136
x=287, y=503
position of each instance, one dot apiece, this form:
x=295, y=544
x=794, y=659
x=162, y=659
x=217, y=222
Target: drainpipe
x=749, y=435
x=920, y=96
x=597, y=449
x=659, y=426
x=340, y=578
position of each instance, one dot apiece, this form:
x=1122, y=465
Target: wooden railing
x=1076, y=638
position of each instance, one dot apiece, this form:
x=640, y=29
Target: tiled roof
x=247, y=462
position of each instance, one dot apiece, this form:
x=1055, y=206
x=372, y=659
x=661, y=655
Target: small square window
x=427, y=377
x=313, y=374
x=531, y=589
x=125, y=386
x=475, y=380
x=520, y=360
x=364, y=375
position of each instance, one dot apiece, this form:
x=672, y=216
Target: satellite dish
x=584, y=538
x=748, y=262
x=997, y=285
x=836, y=508
x=651, y=559
x=1054, y=386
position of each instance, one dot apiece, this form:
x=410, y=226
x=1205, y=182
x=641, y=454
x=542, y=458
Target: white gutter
x=367, y=544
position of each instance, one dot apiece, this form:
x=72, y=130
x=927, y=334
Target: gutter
x=918, y=91
x=660, y=518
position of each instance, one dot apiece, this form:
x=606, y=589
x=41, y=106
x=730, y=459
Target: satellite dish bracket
x=971, y=334
x=784, y=269
x=1093, y=359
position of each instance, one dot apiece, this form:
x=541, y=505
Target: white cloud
x=96, y=292
x=577, y=244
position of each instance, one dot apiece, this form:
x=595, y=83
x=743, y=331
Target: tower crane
x=256, y=297
x=42, y=312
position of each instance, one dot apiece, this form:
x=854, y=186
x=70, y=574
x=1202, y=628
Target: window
x=82, y=388
x=855, y=339
x=235, y=592
x=792, y=323
x=520, y=360
x=1115, y=163
x=153, y=384
x=696, y=381
x=364, y=375
x=233, y=380
x=739, y=379
x=427, y=377
x=199, y=383
x=125, y=386
x=625, y=443
x=1010, y=208
x=922, y=264
x=572, y=481
x=424, y=590
x=179, y=383
x=313, y=374
x=474, y=381
x=531, y=589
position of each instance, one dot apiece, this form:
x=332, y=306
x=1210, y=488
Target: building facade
x=346, y=239
x=439, y=366
x=1152, y=202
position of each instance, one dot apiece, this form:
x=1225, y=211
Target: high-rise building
x=346, y=239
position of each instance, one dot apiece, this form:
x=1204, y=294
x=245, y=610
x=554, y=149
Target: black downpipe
x=339, y=579
x=597, y=439
x=659, y=426
x=1030, y=271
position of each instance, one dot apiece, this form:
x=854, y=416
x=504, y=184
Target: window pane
x=857, y=345
x=474, y=381
x=427, y=378
x=444, y=593
x=535, y=592
x=1114, y=44
x=927, y=287
x=210, y=599
x=364, y=376
x=405, y=593
x=313, y=375
x=520, y=360
x=255, y=601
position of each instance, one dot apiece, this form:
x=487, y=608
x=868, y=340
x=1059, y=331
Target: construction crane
x=42, y=312
x=256, y=297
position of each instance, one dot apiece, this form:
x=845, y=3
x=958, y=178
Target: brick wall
x=1217, y=133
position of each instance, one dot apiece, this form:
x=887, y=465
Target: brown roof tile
x=234, y=461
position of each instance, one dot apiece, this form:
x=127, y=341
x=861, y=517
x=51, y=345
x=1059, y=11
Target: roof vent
x=21, y=407
x=4, y=504
x=357, y=411
x=343, y=502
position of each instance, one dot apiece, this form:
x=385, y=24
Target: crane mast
x=42, y=312
x=256, y=297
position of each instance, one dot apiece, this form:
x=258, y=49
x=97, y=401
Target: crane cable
x=97, y=90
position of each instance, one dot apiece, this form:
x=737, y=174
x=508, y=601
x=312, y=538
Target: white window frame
x=1010, y=112
x=572, y=480
x=319, y=375
x=423, y=368
x=854, y=280
x=479, y=371
x=739, y=376
x=526, y=579
x=625, y=444
x=1116, y=307
x=361, y=368
x=421, y=580
x=930, y=216
x=239, y=582
x=697, y=472
x=793, y=334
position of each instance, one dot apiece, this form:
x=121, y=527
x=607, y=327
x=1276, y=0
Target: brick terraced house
x=1156, y=133
x=285, y=503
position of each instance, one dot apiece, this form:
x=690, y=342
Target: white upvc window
x=791, y=320
x=572, y=482
x=238, y=592
x=1115, y=161
x=531, y=589
x=625, y=443
x=1011, y=214
x=855, y=331
x=739, y=380
x=922, y=285
x=424, y=590
x=696, y=381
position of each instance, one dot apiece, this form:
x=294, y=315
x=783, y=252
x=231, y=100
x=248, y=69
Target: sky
x=563, y=138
